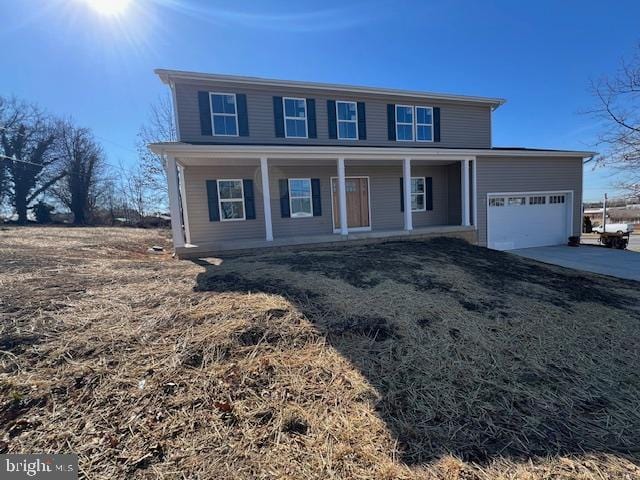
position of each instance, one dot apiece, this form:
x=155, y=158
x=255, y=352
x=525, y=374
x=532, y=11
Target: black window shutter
x=333, y=122
x=315, y=197
x=428, y=189
x=212, y=200
x=436, y=124
x=401, y=194
x=391, y=121
x=311, y=118
x=278, y=116
x=362, y=122
x=204, y=104
x=249, y=202
x=284, y=198
x=243, y=117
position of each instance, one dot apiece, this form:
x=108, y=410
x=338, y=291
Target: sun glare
x=109, y=8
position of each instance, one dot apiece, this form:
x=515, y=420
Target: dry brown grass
x=407, y=360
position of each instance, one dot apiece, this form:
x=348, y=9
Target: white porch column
x=474, y=191
x=342, y=197
x=464, y=189
x=266, y=199
x=406, y=178
x=174, y=202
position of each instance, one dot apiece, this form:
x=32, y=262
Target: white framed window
x=295, y=117
x=537, y=200
x=418, y=194
x=556, y=198
x=517, y=201
x=404, y=123
x=347, y=115
x=231, y=200
x=300, y=202
x=496, y=202
x=424, y=124
x=224, y=114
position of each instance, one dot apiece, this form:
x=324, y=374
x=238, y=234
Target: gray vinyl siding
x=527, y=174
x=463, y=125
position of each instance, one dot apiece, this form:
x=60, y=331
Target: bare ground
x=406, y=360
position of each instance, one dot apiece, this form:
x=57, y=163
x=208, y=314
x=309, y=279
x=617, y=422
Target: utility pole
x=604, y=214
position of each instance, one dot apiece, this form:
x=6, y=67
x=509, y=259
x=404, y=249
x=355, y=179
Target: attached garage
x=528, y=219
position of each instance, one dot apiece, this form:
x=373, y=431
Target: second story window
x=295, y=117
x=404, y=123
x=424, y=124
x=347, y=115
x=225, y=114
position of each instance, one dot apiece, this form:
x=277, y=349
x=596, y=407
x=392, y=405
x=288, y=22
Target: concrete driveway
x=606, y=261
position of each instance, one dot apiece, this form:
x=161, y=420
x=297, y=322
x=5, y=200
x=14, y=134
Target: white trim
x=342, y=198
x=352, y=229
x=169, y=75
x=474, y=173
x=172, y=87
x=220, y=200
x=174, y=202
x=424, y=194
x=464, y=191
x=183, y=197
x=406, y=178
x=266, y=199
x=415, y=108
x=346, y=121
x=213, y=114
x=413, y=123
x=284, y=115
x=304, y=214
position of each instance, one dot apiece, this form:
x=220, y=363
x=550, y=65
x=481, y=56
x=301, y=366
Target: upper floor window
x=300, y=203
x=225, y=114
x=231, y=200
x=295, y=117
x=424, y=124
x=347, y=113
x=404, y=123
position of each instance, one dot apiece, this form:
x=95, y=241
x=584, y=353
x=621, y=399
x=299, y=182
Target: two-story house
x=262, y=162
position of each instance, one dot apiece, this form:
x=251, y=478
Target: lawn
x=411, y=360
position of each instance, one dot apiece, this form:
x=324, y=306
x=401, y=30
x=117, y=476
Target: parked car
x=615, y=228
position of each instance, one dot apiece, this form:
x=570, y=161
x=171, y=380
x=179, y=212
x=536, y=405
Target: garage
x=528, y=219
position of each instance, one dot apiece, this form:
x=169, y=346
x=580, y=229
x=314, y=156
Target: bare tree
x=160, y=127
x=27, y=141
x=618, y=107
x=82, y=164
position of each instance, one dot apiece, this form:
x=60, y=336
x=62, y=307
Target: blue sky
x=540, y=55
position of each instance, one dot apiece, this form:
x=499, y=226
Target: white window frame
x=284, y=114
x=424, y=194
x=355, y=104
x=213, y=114
x=220, y=200
x=310, y=197
x=415, y=116
x=413, y=123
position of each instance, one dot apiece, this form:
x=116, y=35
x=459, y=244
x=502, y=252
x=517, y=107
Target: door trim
x=333, y=220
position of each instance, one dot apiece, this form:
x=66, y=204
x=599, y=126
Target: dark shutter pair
x=333, y=120
x=428, y=193
x=278, y=117
x=206, y=128
x=391, y=122
x=285, y=211
x=212, y=200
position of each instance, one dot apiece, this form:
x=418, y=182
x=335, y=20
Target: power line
x=14, y=159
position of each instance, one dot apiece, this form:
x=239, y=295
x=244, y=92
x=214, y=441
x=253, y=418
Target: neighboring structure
x=268, y=162
x=626, y=214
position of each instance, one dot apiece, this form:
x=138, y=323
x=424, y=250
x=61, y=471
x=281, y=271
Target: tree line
x=49, y=163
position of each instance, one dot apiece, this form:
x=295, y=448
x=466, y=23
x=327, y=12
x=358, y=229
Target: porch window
x=295, y=117
x=417, y=194
x=404, y=123
x=225, y=114
x=347, y=114
x=300, y=202
x=231, y=200
x=424, y=124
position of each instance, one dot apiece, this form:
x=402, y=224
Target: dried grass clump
x=405, y=360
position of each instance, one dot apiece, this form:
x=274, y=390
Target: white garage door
x=528, y=219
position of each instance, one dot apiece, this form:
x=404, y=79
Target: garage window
x=496, y=202
x=556, y=198
x=517, y=201
x=537, y=200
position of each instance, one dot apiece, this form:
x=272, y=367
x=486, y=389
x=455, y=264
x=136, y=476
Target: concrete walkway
x=606, y=261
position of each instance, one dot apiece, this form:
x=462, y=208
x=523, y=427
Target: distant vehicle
x=615, y=228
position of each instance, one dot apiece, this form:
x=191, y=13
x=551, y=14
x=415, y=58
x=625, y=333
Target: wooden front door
x=357, y=202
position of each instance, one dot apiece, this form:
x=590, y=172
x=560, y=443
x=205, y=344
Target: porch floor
x=190, y=250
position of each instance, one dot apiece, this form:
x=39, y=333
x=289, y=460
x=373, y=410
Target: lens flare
x=109, y=8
